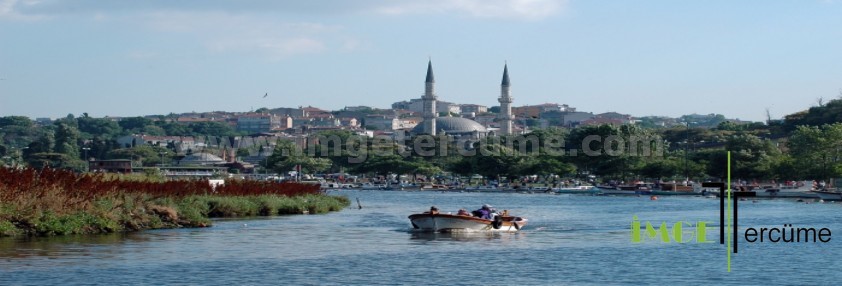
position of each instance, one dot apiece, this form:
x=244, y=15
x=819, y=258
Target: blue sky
x=126, y=58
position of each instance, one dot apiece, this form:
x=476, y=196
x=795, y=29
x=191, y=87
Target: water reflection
x=420, y=237
x=54, y=247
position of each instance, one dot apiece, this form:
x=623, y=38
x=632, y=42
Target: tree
x=147, y=155
x=817, y=151
x=287, y=155
x=19, y=121
x=133, y=124
x=212, y=129
x=751, y=157
x=67, y=138
x=102, y=127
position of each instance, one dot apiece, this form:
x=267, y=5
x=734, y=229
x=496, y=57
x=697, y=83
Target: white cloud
x=514, y=9
x=222, y=32
x=10, y=10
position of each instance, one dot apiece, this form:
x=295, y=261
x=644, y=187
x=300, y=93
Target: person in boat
x=433, y=210
x=485, y=212
x=463, y=212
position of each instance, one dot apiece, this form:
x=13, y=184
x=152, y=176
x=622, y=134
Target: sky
x=669, y=58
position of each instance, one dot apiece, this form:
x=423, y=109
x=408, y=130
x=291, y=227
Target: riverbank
x=55, y=202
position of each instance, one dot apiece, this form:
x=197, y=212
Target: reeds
x=54, y=202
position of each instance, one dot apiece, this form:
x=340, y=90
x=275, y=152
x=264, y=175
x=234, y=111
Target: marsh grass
x=61, y=203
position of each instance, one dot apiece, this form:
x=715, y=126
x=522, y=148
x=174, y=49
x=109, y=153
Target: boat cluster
x=796, y=190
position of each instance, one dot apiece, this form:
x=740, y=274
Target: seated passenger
x=486, y=212
x=433, y=210
x=463, y=212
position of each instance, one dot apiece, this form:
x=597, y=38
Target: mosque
x=462, y=127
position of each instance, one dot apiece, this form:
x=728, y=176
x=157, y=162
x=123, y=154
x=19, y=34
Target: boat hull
x=677, y=193
x=457, y=223
x=577, y=190
x=828, y=196
x=776, y=193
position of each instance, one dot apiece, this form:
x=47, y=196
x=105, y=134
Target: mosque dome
x=452, y=125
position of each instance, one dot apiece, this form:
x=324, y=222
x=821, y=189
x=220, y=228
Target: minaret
x=505, y=104
x=429, y=99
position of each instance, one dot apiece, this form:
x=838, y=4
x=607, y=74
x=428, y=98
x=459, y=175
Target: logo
x=679, y=233
x=729, y=225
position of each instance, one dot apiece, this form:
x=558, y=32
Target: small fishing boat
x=439, y=222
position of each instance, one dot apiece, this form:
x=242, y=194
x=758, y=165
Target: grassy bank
x=53, y=202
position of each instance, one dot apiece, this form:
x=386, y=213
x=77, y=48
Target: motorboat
x=439, y=222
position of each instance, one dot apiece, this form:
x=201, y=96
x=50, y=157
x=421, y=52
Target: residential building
x=258, y=122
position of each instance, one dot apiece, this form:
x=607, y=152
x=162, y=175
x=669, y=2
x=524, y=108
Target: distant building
x=417, y=105
x=534, y=111
x=358, y=108
x=201, y=159
x=43, y=121
x=609, y=118
x=258, y=122
x=474, y=108
x=381, y=122
x=292, y=112
x=349, y=122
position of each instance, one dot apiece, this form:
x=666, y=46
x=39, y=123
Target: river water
x=570, y=239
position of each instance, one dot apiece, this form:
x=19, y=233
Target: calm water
x=570, y=240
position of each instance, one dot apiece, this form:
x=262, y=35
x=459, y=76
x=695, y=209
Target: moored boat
x=636, y=189
x=438, y=222
x=798, y=190
x=577, y=190
x=828, y=195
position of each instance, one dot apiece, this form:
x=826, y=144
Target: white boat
x=428, y=222
x=799, y=190
x=482, y=188
x=370, y=186
x=577, y=190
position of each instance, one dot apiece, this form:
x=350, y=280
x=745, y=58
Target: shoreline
x=131, y=213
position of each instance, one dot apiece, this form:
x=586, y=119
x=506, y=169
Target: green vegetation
x=51, y=202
